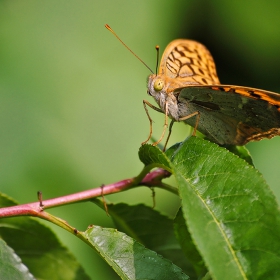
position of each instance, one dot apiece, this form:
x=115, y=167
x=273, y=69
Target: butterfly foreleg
x=197, y=114
x=145, y=103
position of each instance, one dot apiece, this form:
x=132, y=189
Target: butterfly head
x=159, y=89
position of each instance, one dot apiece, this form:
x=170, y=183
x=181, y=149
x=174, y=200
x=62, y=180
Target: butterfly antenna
x=157, y=49
x=110, y=29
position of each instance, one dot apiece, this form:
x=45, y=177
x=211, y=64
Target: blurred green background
x=71, y=95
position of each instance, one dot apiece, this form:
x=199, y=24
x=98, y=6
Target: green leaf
x=152, y=229
x=151, y=155
x=11, y=265
x=230, y=211
x=242, y=152
x=129, y=258
x=38, y=247
x=184, y=237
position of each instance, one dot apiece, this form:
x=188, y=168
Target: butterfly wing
x=188, y=62
x=231, y=114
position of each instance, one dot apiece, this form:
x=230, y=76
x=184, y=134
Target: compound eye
x=158, y=85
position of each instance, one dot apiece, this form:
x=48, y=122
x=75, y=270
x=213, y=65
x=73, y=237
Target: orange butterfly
x=187, y=89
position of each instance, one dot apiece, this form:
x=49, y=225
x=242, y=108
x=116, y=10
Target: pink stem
x=36, y=208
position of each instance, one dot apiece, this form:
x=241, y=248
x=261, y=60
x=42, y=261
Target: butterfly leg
x=165, y=124
x=169, y=133
x=145, y=103
x=197, y=114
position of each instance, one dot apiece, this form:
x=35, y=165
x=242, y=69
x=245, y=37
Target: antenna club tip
x=108, y=27
x=157, y=47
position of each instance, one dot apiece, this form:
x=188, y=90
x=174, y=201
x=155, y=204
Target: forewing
x=232, y=114
x=189, y=62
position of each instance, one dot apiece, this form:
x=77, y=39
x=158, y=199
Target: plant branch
x=36, y=209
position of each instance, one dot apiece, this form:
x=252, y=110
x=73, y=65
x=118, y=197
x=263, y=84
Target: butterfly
x=187, y=89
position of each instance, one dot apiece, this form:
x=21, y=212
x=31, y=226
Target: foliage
x=72, y=116
x=226, y=227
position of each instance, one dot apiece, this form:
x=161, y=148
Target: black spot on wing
x=255, y=95
x=219, y=89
